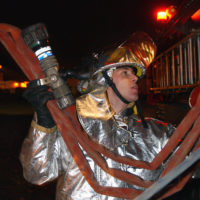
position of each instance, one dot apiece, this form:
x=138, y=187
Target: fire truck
x=176, y=69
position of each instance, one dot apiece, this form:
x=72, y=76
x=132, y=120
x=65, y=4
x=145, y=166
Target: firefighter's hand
x=38, y=96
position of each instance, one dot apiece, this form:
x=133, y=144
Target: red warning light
x=161, y=16
x=165, y=14
x=196, y=16
x=170, y=11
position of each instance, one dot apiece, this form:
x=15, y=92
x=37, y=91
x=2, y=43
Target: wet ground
x=15, y=119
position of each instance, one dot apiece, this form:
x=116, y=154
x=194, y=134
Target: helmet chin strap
x=137, y=103
x=112, y=85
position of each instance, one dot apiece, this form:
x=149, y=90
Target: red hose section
x=29, y=64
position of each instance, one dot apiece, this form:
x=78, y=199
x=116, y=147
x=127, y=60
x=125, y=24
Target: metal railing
x=179, y=66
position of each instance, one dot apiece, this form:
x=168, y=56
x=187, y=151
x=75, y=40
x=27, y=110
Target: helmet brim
x=138, y=68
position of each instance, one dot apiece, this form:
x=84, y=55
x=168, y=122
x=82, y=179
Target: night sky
x=78, y=28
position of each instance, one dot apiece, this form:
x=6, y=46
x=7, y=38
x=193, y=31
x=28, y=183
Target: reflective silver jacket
x=45, y=157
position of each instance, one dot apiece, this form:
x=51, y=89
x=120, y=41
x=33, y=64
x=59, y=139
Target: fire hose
x=31, y=50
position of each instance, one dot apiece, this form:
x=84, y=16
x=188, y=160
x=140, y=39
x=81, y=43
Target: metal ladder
x=179, y=66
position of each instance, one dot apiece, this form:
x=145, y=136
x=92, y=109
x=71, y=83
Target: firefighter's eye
x=125, y=72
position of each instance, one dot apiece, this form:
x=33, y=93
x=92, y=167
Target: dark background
x=76, y=29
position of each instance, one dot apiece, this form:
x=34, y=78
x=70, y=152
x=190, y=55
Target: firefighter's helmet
x=137, y=52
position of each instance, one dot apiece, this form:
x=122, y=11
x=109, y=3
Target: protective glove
x=38, y=96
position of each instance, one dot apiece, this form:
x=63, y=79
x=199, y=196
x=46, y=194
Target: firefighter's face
x=126, y=83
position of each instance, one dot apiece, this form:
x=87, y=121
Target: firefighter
x=106, y=114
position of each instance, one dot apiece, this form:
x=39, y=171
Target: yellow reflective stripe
x=43, y=129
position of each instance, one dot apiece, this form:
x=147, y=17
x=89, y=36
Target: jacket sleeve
x=44, y=155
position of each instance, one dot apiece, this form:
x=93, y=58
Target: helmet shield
x=138, y=51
